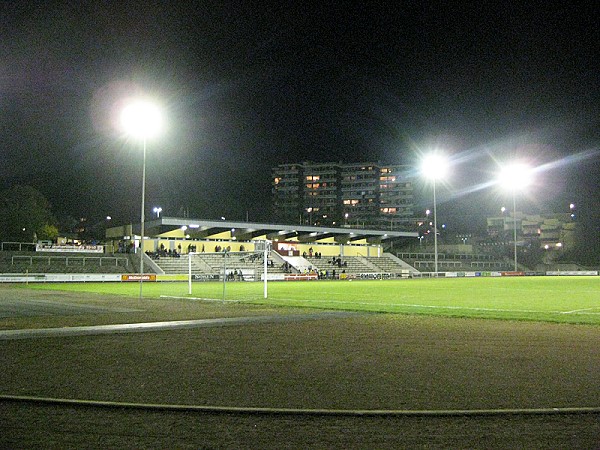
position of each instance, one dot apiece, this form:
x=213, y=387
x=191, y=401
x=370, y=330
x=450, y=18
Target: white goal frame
x=261, y=246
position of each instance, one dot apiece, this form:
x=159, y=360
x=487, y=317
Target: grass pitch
x=406, y=361
x=546, y=299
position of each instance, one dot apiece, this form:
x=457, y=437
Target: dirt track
x=367, y=362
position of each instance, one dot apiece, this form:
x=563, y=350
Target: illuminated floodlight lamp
x=515, y=177
x=141, y=119
x=435, y=166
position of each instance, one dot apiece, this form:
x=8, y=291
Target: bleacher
x=386, y=264
x=32, y=262
x=212, y=263
x=350, y=265
x=425, y=262
x=176, y=265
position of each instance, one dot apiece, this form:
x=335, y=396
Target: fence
x=74, y=260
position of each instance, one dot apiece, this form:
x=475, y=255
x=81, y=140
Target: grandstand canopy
x=244, y=231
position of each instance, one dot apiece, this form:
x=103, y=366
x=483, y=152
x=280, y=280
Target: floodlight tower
x=515, y=177
x=142, y=120
x=435, y=167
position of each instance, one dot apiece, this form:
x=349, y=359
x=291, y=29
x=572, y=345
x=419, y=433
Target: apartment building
x=364, y=195
x=552, y=231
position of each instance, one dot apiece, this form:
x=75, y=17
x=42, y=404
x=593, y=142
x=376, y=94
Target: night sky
x=245, y=87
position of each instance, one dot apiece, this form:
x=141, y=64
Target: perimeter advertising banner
x=136, y=277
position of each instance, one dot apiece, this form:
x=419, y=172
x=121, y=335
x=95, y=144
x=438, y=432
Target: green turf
x=552, y=299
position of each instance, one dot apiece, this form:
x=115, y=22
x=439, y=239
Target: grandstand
x=248, y=264
x=251, y=264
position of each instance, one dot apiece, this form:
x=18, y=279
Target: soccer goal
x=228, y=266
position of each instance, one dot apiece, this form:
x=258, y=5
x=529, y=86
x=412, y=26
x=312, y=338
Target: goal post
x=249, y=269
x=190, y=254
x=264, y=246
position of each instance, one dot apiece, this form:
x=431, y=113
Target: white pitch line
x=578, y=310
x=204, y=299
x=411, y=305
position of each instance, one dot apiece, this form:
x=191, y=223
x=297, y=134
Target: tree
x=25, y=215
x=48, y=233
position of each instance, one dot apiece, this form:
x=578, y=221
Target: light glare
x=141, y=119
x=515, y=176
x=435, y=166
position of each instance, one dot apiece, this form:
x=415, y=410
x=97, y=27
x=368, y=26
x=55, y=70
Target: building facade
x=551, y=232
x=365, y=195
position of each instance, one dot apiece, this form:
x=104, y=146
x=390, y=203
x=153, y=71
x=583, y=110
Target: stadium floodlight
x=435, y=167
x=142, y=120
x=515, y=177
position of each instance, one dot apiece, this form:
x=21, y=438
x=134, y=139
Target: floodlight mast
x=141, y=119
x=435, y=166
x=513, y=177
x=142, y=231
x=435, y=241
x=515, y=229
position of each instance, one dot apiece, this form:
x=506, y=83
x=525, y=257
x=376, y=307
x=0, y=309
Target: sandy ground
x=376, y=361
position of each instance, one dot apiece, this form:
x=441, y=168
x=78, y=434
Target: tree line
x=26, y=216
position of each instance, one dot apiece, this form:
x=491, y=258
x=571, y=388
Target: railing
x=112, y=259
x=442, y=263
x=17, y=246
x=456, y=256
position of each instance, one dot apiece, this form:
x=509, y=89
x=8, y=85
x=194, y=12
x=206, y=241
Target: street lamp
x=142, y=120
x=513, y=177
x=435, y=166
x=157, y=210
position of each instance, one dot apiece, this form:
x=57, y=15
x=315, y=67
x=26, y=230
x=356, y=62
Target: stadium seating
x=249, y=262
x=425, y=262
x=32, y=262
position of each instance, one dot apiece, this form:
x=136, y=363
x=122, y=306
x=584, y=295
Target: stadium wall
x=90, y=278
